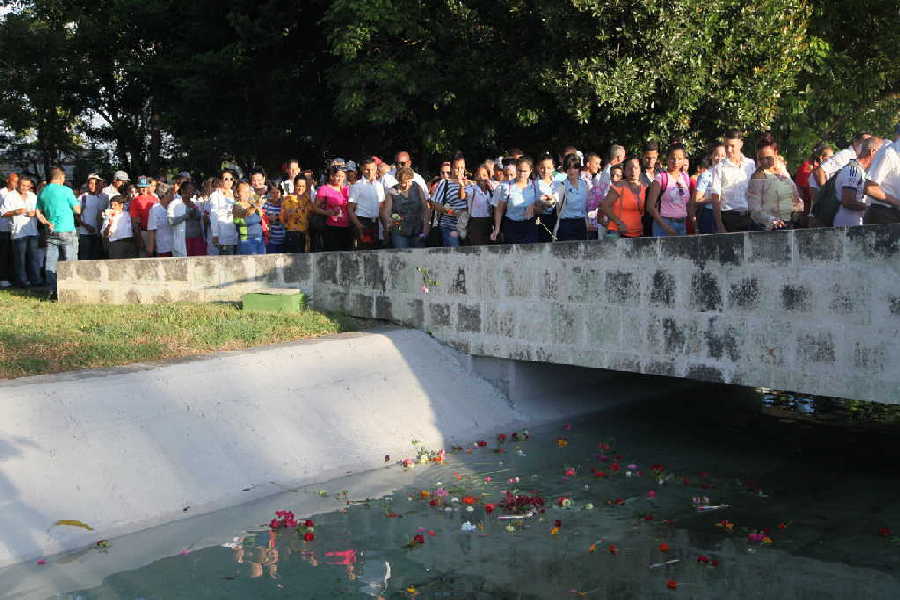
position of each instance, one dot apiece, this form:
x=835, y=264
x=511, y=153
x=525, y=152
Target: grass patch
x=37, y=336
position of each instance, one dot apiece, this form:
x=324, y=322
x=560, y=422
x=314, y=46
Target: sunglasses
x=228, y=178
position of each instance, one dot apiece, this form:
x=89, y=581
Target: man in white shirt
x=883, y=184
x=118, y=186
x=7, y=268
x=366, y=198
x=616, y=157
x=827, y=169
x=291, y=169
x=402, y=159
x=117, y=229
x=19, y=207
x=591, y=171
x=93, y=203
x=849, y=185
x=176, y=213
x=728, y=186
x=160, y=238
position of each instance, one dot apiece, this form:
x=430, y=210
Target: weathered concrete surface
x=127, y=448
x=814, y=311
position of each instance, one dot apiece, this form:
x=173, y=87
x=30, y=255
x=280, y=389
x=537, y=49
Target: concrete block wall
x=814, y=311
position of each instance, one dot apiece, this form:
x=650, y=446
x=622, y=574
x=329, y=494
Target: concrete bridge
x=811, y=311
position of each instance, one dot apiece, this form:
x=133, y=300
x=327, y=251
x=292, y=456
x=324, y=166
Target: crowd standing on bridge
x=513, y=199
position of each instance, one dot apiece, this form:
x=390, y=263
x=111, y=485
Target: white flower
x=467, y=526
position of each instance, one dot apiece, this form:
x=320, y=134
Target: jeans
x=252, y=246
x=450, y=237
x=274, y=248
x=226, y=250
x=28, y=266
x=89, y=247
x=62, y=245
x=398, y=240
x=706, y=222
x=677, y=225
x=7, y=261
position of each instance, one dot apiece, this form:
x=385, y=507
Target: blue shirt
x=447, y=194
x=56, y=203
x=575, y=206
x=545, y=188
x=519, y=199
x=276, y=228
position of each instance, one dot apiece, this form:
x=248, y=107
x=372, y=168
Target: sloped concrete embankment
x=129, y=448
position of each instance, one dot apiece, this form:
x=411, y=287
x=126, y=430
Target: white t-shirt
x=851, y=176
x=5, y=222
x=20, y=225
x=730, y=180
x=368, y=197
x=159, y=222
x=221, y=219
x=92, y=206
x=175, y=210
x=837, y=162
x=885, y=171
x=121, y=226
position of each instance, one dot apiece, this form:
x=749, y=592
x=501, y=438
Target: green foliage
x=253, y=82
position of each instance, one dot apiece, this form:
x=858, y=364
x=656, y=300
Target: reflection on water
x=626, y=514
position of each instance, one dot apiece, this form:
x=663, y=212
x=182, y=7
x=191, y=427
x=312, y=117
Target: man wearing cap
x=93, y=203
x=883, y=184
x=139, y=209
x=56, y=208
x=120, y=180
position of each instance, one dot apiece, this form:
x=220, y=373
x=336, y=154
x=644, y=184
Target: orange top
x=629, y=208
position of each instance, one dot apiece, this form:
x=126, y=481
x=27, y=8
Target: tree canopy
x=190, y=85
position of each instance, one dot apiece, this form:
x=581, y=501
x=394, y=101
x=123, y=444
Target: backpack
x=826, y=204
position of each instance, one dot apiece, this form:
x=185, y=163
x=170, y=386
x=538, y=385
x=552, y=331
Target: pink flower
x=488, y=479
x=632, y=467
x=567, y=427
x=513, y=480
x=570, y=472
x=651, y=494
x=441, y=492
x=41, y=561
x=424, y=289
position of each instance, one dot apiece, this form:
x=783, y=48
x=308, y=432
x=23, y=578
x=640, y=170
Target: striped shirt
x=447, y=194
x=276, y=227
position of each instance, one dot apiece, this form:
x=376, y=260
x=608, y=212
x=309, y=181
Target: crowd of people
x=512, y=199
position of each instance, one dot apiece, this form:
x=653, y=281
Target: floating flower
x=488, y=479
x=726, y=525
x=564, y=502
x=664, y=547
x=567, y=427
x=588, y=506
x=425, y=289
x=425, y=494
x=481, y=443
x=570, y=472
x=470, y=509
x=510, y=528
x=884, y=532
x=501, y=437
x=441, y=492
x=433, y=502
x=512, y=480
x=554, y=531
x=632, y=467
x=613, y=549
x=557, y=523
x=703, y=560
x=604, y=446
x=419, y=538
x=469, y=500
x=592, y=548
x=467, y=526
x=651, y=494
x=562, y=442
x=309, y=536
x=432, y=532
x=411, y=589
x=755, y=537
x=615, y=467
x=600, y=474
x=648, y=517
x=408, y=463
x=783, y=525
x=672, y=584
x=41, y=561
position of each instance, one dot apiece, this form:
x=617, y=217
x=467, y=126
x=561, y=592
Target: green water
x=822, y=493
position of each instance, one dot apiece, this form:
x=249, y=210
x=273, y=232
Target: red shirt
x=803, y=173
x=140, y=208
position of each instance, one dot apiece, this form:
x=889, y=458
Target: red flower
x=657, y=468
x=613, y=549
x=432, y=532
x=470, y=500
x=308, y=523
x=557, y=523
x=501, y=437
x=309, y=536
x=702, y=559
x=672, y=584
x=481, y=443
x=664, y=547
x=419, y=539
x=274, y=523
x=570, y=472
x=600, y=474
x=433, y=502
x=884, y=532
x=648, y=517
x=489, y=508
x=603, y=446
x=714, y=562
x=615, y=467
